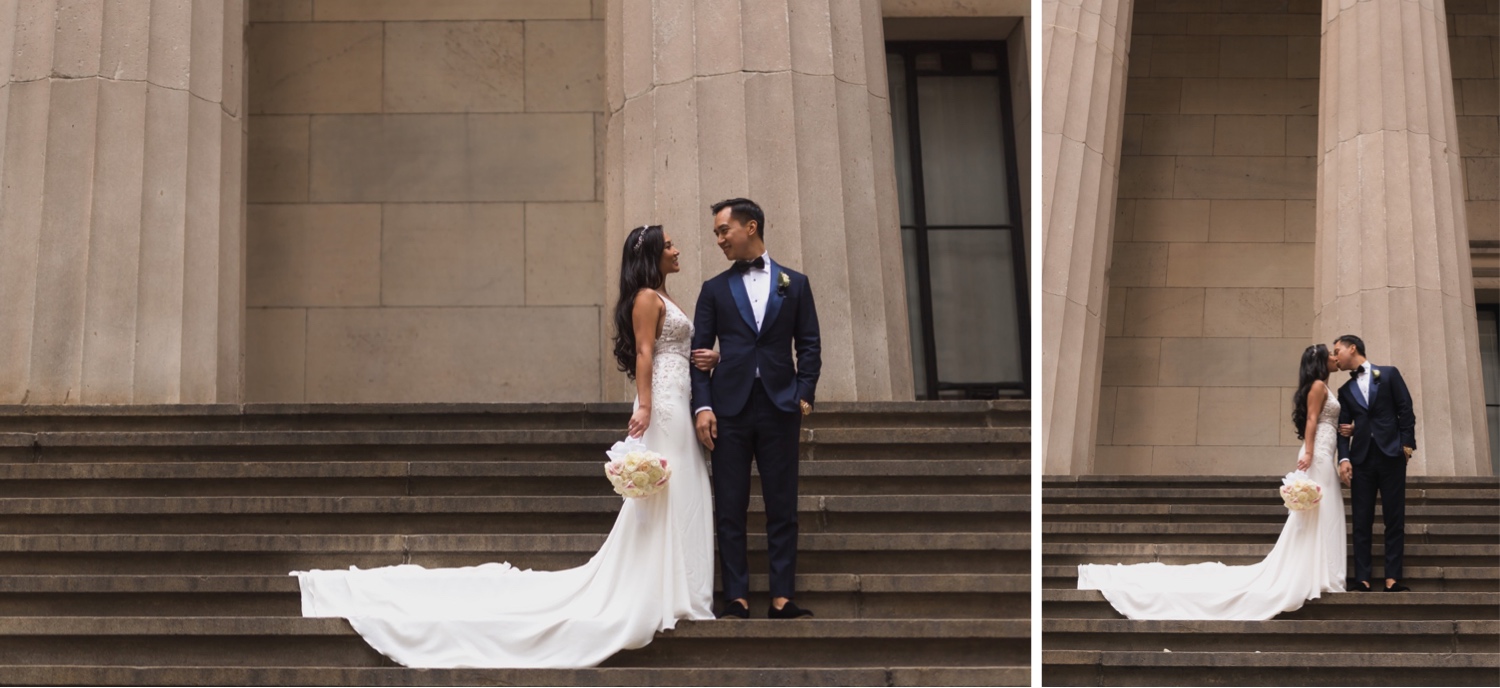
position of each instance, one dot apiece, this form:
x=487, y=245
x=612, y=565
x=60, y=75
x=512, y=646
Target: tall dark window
x=1489, y=364
x=960, y=200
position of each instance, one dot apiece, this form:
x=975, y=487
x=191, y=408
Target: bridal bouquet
x=634, y=470
x=1299, y=492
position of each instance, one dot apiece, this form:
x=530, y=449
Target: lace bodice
x=671, y=381
x=676, y=332
x=1330, y=413
x=1325, y=444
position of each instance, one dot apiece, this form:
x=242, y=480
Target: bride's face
x=669, y=253
x=1333, y=363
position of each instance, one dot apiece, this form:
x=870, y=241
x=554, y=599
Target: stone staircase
x=1444, y=633
x=151, y=545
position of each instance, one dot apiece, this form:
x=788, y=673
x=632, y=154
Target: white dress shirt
x=758, y=288
x=1362, y=383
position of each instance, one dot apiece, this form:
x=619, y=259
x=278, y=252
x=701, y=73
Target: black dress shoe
x=1398, y=587
x=1362, y=586
x=788, y=611
x=735, y=610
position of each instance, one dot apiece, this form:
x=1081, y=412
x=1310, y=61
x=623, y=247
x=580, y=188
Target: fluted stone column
x=1392, y=248
x=1084, y=55
x=121, y=149
x=780, y=101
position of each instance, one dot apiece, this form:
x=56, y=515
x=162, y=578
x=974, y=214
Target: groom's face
x=733, y=236
x=1344, y=355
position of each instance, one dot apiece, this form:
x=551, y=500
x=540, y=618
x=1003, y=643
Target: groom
x=752, y=405
x=1377, y=435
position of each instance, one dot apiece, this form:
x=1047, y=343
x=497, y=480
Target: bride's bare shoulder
x=648, y=297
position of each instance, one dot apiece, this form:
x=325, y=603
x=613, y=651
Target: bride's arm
x=644, y=318
x=1317, y=395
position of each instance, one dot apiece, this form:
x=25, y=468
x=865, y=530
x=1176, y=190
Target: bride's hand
x=639, y=421
x=1304, y=460
x=705, y=359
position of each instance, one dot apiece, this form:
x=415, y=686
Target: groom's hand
x=1408, y=451
x=1346, y=472
x=707, y=426
x=705, y=359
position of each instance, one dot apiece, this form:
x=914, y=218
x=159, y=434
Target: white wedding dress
x=1308, y=560
x=655, y=567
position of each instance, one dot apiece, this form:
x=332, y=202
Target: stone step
x=830, y=414
x=471, y=478
x=1252, y=668
x=833, y=596
x=1421, y=578
x=762, y=643
x=151, y=545
x=1276, y=635
x=1443, y=633
x=1091, y=604
x=1416, y=554
x=850, y=553
x=1245, y=513
x=1250, y=495
x=81, y=675
x=489, y=514
x=895, y=444
x=1230, y=533
x=1051, y=482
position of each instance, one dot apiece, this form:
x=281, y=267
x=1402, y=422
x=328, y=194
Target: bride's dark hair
x=1314, y=367
x=640, y=268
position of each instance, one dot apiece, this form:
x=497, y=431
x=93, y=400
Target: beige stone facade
x=424, y=201
x=392, y=201
x=1236, y=237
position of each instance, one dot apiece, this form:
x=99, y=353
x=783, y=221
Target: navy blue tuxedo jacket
x=723, y=314
x=1386, y=423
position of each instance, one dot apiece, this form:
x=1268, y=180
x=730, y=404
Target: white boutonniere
x=782, y=282
x=1375, y=374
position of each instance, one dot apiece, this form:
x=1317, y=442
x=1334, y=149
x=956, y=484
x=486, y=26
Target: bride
x=655, y=567
x=1308, y=560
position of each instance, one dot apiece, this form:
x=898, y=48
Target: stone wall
x=1475, y=51
x=424, y=218
x=1209, y=306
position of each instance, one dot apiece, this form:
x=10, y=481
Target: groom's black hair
x=1351, y=340
x=744, y=210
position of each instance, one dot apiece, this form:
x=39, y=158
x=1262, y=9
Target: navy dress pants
x=1385, y=475
x=768, y=436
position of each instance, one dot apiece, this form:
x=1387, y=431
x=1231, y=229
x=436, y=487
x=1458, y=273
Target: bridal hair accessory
x=640, y=238
x=634, y=470
x=1299, y=492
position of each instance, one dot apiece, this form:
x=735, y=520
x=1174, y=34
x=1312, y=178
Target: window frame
x=949, y=52
x=1491, y=403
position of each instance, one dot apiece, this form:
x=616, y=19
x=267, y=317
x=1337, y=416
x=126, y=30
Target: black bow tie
x=743, y=266
x=1354, y=374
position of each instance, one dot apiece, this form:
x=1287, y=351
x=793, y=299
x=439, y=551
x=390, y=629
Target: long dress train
x=655, y=567
x=1308, y=560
